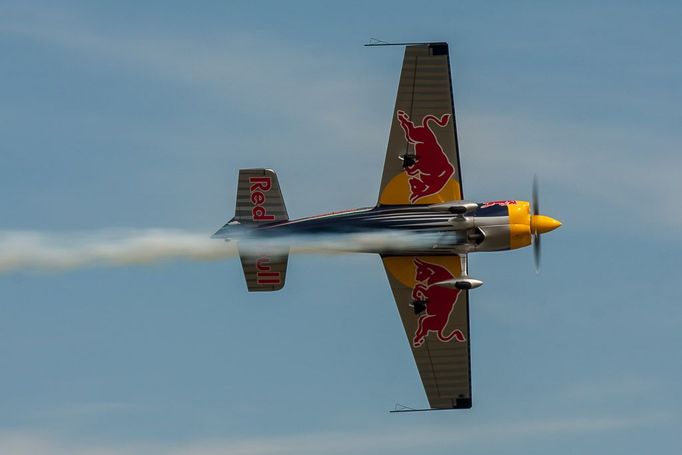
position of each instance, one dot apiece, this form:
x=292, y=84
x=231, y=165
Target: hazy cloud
x=431, y=438
x=326, y=100
x=258, y=73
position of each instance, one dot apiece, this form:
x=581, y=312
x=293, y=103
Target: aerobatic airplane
x=421, y=192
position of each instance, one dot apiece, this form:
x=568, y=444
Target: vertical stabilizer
x=259, y=197
x=259, y=201
x=264, y=272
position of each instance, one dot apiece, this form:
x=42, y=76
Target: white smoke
x=20, y=250
x=34, y=250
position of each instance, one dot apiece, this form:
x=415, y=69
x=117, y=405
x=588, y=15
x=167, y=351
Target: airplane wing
x=422, y=159
x=436, y=321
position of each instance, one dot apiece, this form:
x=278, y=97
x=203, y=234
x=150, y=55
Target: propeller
x=539, y=224
x=536, y=234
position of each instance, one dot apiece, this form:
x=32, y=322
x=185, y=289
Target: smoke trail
x=33, y=250
x=21, y=250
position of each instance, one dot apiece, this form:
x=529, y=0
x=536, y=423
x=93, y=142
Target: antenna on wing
x=374, y=42
x=402, y=408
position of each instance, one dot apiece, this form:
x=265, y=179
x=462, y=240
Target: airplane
x=420, y=193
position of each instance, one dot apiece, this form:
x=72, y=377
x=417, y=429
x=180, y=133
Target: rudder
x=264, y=272
x=259, y=197
x=259, y=201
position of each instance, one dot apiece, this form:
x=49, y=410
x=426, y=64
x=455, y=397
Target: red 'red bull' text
x=260, y=186
x=431, y=169
x=264, y=273
x=440, y=302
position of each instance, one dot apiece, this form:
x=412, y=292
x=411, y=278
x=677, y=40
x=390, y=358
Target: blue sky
x=121, y=115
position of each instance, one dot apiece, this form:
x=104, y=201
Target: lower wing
x=436, y=321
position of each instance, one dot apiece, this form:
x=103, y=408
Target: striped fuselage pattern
x=492, y=226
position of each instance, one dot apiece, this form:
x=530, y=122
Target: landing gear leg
x=464, y=265
x=464, y=281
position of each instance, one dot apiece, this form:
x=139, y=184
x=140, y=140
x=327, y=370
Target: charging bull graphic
x=439, y=301
x=431, y=168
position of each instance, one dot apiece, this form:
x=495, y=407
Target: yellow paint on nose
x=519, y=224
x=542, y=224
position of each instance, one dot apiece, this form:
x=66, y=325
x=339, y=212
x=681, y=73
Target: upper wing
x=436, y=321
x=422, y=159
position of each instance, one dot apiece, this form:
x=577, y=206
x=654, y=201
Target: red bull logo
x=264, y=273
x=431, y=169
x=500, y=203
x=260, y=186
x=439, y=301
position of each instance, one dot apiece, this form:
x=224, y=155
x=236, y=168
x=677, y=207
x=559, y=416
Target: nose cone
x=542, y=224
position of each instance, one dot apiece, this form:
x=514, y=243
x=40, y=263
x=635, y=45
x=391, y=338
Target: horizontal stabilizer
x=264, y=272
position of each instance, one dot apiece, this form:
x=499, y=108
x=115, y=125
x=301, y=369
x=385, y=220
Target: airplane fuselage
x=488, y=226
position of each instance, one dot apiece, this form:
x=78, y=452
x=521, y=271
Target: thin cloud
x=85, y=410
x=611, y=389
x=260, y=73
x=306, y=88
x=609, y=165
x=469, y=436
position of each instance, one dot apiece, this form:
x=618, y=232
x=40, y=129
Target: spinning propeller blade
x=536, y=234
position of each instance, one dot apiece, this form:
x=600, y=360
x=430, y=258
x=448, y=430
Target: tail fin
x=264, y=272
x=259, y=201
x=259, y=198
